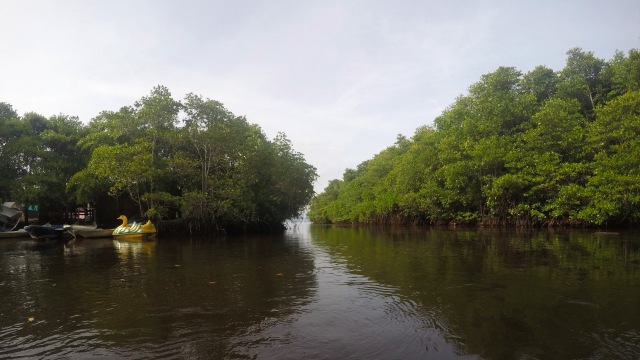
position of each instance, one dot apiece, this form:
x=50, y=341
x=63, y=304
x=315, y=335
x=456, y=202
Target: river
x=322, y=292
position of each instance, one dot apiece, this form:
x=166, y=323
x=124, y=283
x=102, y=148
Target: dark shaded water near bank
x=325, y=293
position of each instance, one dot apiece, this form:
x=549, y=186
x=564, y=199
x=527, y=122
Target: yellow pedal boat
x=134, y=231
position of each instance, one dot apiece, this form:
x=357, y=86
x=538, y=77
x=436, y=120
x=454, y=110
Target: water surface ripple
x=320, y=292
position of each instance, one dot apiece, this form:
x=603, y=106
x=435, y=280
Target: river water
x=321, y=292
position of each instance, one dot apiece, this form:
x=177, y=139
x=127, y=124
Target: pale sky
x=341, y=78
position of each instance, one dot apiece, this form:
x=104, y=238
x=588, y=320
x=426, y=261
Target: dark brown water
x=325, y=293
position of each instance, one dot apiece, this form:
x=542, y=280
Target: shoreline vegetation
x=191, y=166
x=546, y=148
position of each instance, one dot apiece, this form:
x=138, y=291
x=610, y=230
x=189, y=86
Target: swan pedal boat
x=134, y=231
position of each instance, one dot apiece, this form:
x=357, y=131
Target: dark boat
x=45, y=232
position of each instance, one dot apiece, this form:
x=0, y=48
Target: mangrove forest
x=191, y=164
x=543, y=148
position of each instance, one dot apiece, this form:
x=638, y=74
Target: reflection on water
x=128, y=249
x=325, y=293
x=506, y=295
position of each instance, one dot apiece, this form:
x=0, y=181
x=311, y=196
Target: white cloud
x=341, y=79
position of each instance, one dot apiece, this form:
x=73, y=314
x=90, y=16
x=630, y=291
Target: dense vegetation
x=543, y=148
x=193, y=161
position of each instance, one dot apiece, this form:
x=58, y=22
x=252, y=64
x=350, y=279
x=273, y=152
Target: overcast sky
x=341, y=78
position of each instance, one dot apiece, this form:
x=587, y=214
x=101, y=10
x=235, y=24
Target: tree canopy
x=192, y=161
x=541, y=148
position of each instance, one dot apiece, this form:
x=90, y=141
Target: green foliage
x=37, y=156
x=126, y=168
x=10, y=132
x=541, y=82
x=244, y=179
x=584, y=79
x=614, y=188
x=541, y=148
x=215, y=172
x=162, y=202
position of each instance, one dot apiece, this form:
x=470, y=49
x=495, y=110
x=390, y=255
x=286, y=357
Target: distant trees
x=193, y=161
x=243, y=178
x=37, y=155
x=523, y=149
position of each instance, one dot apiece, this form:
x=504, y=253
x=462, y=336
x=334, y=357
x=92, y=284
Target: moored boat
x=92, y=233
x=16, y=234
x=45, y=232
x=85, y=225
x=134, y=231
x=87, y=231
x=10, y=216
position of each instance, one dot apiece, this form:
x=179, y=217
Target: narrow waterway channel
x=320, y=292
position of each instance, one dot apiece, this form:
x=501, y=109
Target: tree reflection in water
x=324, y=293
x=507, y=294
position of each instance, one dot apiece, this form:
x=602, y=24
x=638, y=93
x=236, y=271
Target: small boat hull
x=87, y=231
x=17, y=234
x=93, y=234
x=136, y=237
x=45, y=232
